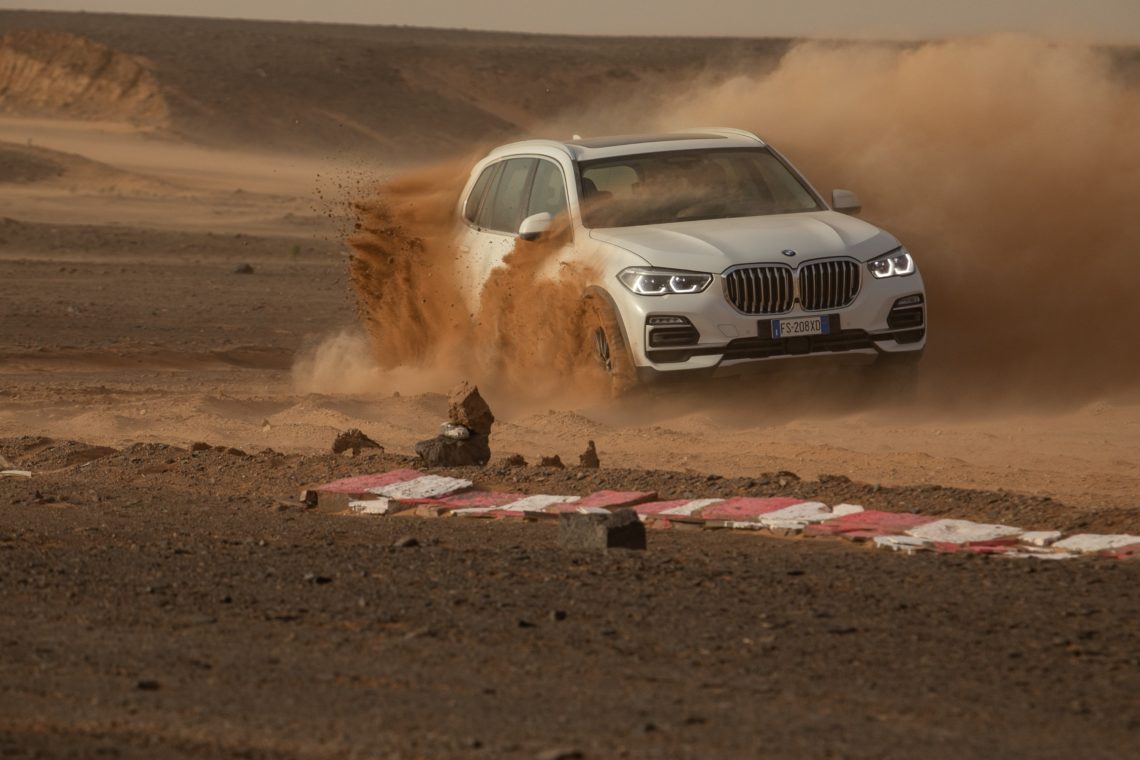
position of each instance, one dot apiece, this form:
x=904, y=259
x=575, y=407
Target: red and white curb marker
x=905, y=532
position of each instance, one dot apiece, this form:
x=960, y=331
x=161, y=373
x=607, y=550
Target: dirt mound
x=30, y=164
x=61, y=75
x=24, y=166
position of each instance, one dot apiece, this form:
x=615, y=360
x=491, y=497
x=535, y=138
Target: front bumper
x=724, y=341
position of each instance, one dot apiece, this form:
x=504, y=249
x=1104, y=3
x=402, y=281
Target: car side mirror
x=535, y=225
x=845, y=201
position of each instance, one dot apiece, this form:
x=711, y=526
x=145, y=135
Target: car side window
x=475, y=199
x=548, y=193
x=503, y=210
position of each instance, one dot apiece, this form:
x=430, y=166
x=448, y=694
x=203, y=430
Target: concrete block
x=473, y=499
x=1040, y=537
x=607, y=500
x=372, y=507
x=1090, y=543
x=962, y=532
x=746, y=507
x=335, y=496
x=422, y=488
x=868, y=524
x=689, y=508
x=536, y=504
x=784, y=527
x=621, y=529
x=903, y=544
x=807, y=512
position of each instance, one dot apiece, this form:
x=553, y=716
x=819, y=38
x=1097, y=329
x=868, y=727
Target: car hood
x=713, y=245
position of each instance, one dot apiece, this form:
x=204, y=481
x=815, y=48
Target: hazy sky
x=1097, y=20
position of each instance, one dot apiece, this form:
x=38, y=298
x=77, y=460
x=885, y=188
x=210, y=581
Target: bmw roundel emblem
x=788, y=252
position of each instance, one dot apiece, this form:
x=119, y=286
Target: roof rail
x=510, y=147
x=726, y=131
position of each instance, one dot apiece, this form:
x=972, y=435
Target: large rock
x=589, y=458
x=620, y=529
x=442, y=451
x=467, y=408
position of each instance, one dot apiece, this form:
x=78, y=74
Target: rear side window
x=549, y=191
x=471, y=207
x=503, y=210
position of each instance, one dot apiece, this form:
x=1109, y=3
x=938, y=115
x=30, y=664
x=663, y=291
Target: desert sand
x=144, y=162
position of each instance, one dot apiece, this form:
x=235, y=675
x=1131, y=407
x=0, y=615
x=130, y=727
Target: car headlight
x=647, y=281
x=897, y=263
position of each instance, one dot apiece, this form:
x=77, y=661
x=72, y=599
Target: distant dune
x=317, y=87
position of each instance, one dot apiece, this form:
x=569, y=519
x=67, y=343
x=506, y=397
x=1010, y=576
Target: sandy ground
x=147, y=283
x=158, y=602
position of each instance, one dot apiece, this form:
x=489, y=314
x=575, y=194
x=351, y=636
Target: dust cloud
x=1008, y=165
x=1011, y=168
x=522, y=341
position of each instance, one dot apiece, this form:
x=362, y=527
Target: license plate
x=793, y=328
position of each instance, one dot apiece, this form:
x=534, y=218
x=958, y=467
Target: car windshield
x=687, y=185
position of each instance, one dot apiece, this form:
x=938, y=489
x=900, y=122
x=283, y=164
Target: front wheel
x=604, y=349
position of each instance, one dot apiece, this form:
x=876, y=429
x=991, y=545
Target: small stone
x=466, y=407
x=354, y=440
x=148, y=685
x=200, y=446
x=318, y=580
x=558, y=615
x=515, y=460
x=243, y=269
x=554, y=461
x=620, y=529
x=561, y=753
x=235, y=452
x=589, y=458
x=406, y=542
x=454, y=431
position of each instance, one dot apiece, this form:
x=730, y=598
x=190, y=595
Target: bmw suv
x=712, y=254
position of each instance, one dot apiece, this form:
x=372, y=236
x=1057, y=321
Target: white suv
x=711, y=253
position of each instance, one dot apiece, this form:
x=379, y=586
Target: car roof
x=587, y=149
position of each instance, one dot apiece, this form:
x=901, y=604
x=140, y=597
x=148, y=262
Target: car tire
x=604, y=348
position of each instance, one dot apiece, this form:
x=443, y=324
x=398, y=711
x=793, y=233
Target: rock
x=200, y=446
x=589, y=458
x=406, y=542
x=554, y=461
x=148, y=685
x=561, y=753
x=515, y=460
x=354, y=440
x=620, y=529
x=318, y=580
x=243, y=269
x=558, y=615
x=467, y=408
x=452, y=430
x=442, y=451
